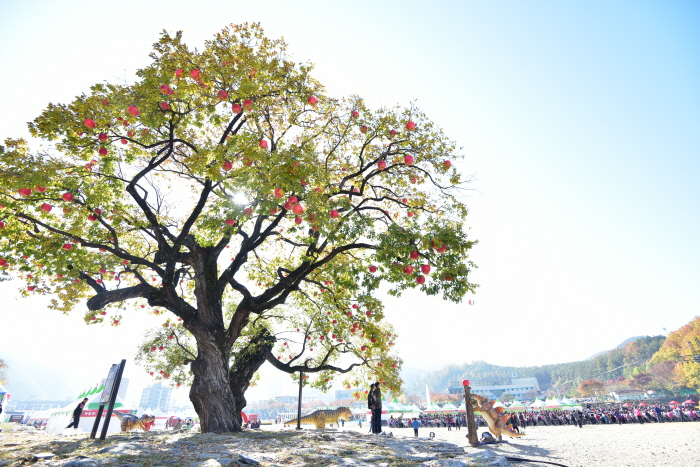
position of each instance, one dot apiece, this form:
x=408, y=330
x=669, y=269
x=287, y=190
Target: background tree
x=226, y=192
x=3, y=372
x=641, y=380
x=590, y=387
x=663, y=376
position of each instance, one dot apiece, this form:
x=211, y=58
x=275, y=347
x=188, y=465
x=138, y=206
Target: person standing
x=377, y=410
x=370, y=406
x=577, y=418
x=77, y=413
x=415, y=424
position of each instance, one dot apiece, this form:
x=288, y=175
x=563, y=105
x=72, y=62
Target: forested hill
x=621, y=361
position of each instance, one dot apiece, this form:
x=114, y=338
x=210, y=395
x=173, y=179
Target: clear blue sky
x=580, y=122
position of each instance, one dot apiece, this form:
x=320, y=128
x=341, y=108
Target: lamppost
x=301, y=385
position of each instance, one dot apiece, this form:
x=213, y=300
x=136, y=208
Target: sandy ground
x=649, y=445
x=666, y=444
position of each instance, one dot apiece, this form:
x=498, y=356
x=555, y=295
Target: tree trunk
x=246, y=363
x=211, y=393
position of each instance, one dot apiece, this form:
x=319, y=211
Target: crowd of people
x=592, y=415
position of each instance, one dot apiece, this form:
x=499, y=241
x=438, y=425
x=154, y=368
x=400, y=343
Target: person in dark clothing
x=370, y=406
x=513, y=421
x=77, y=413
x=376, y=409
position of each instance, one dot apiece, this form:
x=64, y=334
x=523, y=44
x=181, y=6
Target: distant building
x=37, y=404
x=520, y=388
x=295, y=399
x=341, y=394
x=155, y=396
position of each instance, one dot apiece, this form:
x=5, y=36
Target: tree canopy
x=227, y=192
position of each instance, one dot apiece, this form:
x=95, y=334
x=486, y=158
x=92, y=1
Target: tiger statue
x=131, y=422
x=321, y=417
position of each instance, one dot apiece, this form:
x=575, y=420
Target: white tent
x=161, y=418
x=448, y=408
x=60, y=418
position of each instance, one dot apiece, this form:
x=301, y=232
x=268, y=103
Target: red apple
x=363, y=348
x=420, y=279
x=25, y=191
x=3, y=261
x=236, y=108
x=447, y=164
x=425, y=268
x=312, y=100
x=31, y=288
x=279, y=193
x=363, y=129
x=222, y=95
x=297, y=209
x=105, y=101
x=334, y=213
x=92, y=218
x=102, y=151
x=124, y=141
x=93, y=318
x=89, y=123
x=410, y=214
x=165, y=90
x=194, y=74
x=103, y=271
x=410, y=126
x=248, y=211
x=298, y=220
x=408, y=269
x=247, y=104
x=2, y=226
x=373, y=269
x=368, y=313
x=381, y=165
x=133, y=111
x=125, y=262
x=263, y=143
x=355, y=114
x=164, y=106
x=46, y=207
x=408, y=159
x=230, y=222
x=414, y=255
x=292, y=200
x=67, y=246
x=227, y=165
x=102, y=137
x=178, y=73
x=130, y=134
x=414, y=180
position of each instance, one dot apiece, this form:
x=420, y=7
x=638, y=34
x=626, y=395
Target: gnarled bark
x=211, y=393
x=246, y=363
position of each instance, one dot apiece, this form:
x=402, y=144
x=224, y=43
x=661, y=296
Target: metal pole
x=472, y=434
x=112, y=400
x=95, y=425
x=301, y=383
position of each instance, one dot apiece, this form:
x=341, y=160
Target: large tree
x=224, y=190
